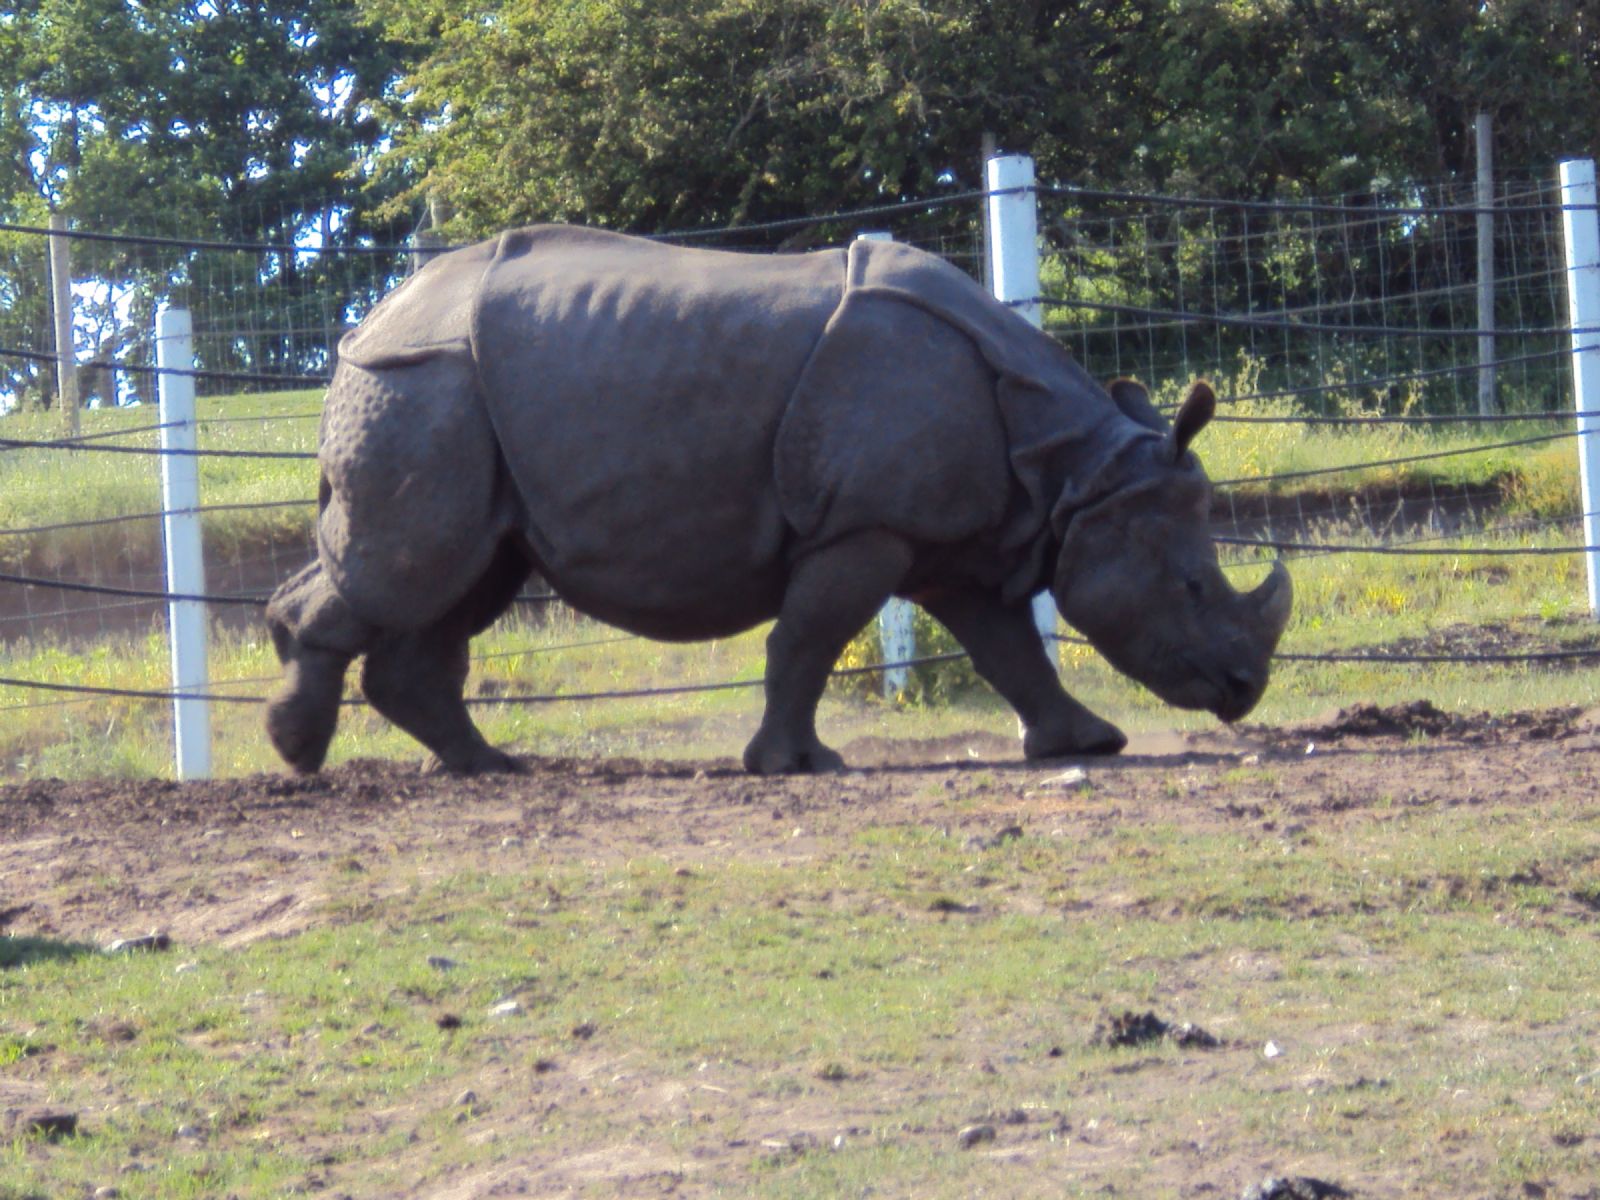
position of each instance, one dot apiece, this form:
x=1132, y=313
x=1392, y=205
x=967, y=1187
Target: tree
x=697, y=112
x=198, y=119
x=655, y=115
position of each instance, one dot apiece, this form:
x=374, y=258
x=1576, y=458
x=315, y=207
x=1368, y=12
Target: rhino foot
x=483, y=760
x=302, y=716
x=769, y=755
x=1083, y=734
x=300, y=736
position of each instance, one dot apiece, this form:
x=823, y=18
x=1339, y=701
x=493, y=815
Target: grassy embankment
x=1424, y=971
x=1342, y=601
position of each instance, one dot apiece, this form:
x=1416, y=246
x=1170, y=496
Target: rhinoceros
x=686, y=443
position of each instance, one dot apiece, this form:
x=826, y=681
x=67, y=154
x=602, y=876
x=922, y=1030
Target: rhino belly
x=674, y=558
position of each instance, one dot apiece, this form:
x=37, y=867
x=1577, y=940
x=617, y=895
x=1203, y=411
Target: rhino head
x=1138, y=576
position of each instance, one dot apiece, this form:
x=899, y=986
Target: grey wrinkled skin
x=687, y=443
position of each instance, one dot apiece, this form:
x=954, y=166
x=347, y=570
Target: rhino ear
x=1197, y=409
x=1134, y=401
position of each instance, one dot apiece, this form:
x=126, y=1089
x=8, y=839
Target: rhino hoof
x=763, y=757
x=1086, y=737
x=302, y=742
x=484, y=760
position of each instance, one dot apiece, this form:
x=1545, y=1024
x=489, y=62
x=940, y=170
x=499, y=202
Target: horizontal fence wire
x=1398, y=658
x=1401, y=460
x=255, y=599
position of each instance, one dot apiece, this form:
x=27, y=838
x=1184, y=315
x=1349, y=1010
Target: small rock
x=108, y=1192
x=585, y=1030
x=149, y=942
x=1071, y=777
x=467, y=1099
x=510, y=842
x=1297, y=1187
x=795, y=1143
x=190, y=1131
x=506, y=1008
x=974, y=1135
x=447, y=1021
x=440, y=963
x=52, y=1126
x=1271, y=1050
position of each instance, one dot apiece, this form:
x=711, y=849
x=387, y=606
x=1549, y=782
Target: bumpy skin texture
x=686, y=443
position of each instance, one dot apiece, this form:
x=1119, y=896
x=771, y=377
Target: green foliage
x=705, y=111
x=227, y=120
x=926, y=683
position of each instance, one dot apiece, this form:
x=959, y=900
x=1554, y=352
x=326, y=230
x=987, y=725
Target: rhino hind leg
x=1006, y=650
x=417, y=679
x=830, y=595
x=315, y=635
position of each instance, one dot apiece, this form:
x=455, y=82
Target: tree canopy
x=337, y=122
x=652, y=115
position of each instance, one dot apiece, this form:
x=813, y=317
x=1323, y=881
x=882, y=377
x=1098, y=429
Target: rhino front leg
x=830, y=595
x=316, y=635
x=1007, y=651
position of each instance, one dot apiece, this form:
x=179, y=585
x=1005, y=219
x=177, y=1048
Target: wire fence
x=1354, y=314
x=1370, y=300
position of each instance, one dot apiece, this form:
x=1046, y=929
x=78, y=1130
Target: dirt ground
x=268, y=850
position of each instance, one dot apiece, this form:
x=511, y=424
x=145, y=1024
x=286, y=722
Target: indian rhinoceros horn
x=1272, y=599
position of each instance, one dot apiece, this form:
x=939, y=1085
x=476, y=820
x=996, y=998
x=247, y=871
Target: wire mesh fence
x=1366, y=301
x=1359, y=312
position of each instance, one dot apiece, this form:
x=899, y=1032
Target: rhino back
x=636, y=390
x=426, y=316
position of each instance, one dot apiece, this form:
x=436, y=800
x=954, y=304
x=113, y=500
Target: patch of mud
x=1421, y=718
x=1131, y=1028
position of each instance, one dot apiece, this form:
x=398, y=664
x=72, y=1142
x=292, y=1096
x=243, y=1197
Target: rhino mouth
x=1228, y=693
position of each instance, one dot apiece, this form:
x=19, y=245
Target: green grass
x=1342, y=601
x=1425, y=984
x=55, y=487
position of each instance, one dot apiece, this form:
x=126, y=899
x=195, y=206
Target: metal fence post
x=1488, y=403
x=1580, y=227
x=61, y=310
x=1012, y=216
x=186, y=573
x=897, y=637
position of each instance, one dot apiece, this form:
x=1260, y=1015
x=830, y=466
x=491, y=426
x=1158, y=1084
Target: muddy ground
x=232, y=861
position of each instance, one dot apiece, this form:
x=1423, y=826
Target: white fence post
x=61, y=311
x=897, y=637
x=1580, y=227
x=186, y=574
x=1488, y=402
x=1013, y=221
